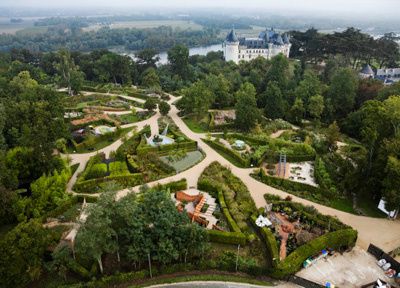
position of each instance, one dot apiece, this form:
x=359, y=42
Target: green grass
x=196, y=125
x=204, y=278
x=369, y=207
x=191, y=159
x=226, y=155
x=345, y=205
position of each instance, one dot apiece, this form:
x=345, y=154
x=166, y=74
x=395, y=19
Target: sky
x=367, y=8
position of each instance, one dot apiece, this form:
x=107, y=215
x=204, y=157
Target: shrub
x=227, y=237
x=118, y=168
x=96, y=171
x=175, y=186
x=132, y=165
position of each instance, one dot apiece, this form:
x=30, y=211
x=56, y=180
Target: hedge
x=337, y=240
x=270, y=241
x=91, y=186
x=165, y=149
x=231, y=155
x=175, y=186
x=226, y=237
x=205, y=185
x=132, y=165
x=249, y=139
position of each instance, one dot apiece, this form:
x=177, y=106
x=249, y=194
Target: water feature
x=192, y=51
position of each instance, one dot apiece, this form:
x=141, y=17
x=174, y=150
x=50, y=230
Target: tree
x=164, y=108
x=68, y=72
x=96, y=235
x=274, y=103
x=247, y=113
x=22, y=251
x=178, y=57
x=342, y=92
x=147, y=58
x=391, y=184
x=278, y=72
x=197, y=99
x=220, y=87
x=114, y=68
x=297, y=111
x=150, y=79
x=332, y=134
x=150, y=104
x=392, y=107
x=316, y=107
x=308, y=87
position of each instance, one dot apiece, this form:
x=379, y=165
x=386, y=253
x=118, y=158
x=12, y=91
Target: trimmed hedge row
x=227, y=237
x=228, y=153
x=285, y=184
x=337, y=240
x=164, y=149
x=249, y=139
x=270, y=241
x=91, y=186
x=175, y=186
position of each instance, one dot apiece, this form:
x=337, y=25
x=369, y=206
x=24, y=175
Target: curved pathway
x=382, y=232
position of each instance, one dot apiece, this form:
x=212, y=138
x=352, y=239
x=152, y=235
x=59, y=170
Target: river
x=192, y=51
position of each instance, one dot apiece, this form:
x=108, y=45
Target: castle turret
x=231, y=47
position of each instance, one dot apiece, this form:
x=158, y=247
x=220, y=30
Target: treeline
x=352, y=47
x=72, y=37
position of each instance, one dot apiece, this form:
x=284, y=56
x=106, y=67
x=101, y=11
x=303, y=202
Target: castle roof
x=231, y=37
x=367, y=70
x=264, y=38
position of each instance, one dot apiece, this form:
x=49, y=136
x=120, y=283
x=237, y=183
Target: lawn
x=369, y=207
x=191, y=159
x=196, y=125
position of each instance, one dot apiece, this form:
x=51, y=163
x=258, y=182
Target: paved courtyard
x=349, y=270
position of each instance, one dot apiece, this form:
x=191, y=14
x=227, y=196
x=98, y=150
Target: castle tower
x=231, y=47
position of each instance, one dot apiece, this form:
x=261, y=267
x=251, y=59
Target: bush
x=118, y=168
x=96, y=171
x=175, y=186
x=227, y=237
x=337, y=240
x=231, y=155
x=132, y=165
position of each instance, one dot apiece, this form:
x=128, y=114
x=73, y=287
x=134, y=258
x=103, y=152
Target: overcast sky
x=368, y=8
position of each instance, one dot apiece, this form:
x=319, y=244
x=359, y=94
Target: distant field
x=11, y=28
x=142, y=24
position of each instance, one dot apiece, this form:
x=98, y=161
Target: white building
x=268, y=44
x=388, y=74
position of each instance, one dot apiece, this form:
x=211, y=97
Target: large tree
x=275, y=105
x=247, y=113
x=342, y=92
x=178, y=57
x=197, y=99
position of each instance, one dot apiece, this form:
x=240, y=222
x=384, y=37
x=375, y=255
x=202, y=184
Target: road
x=382, y=232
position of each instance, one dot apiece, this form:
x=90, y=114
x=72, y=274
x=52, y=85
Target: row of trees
x=353, y=46
x=136, y=230
x=72, y=37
